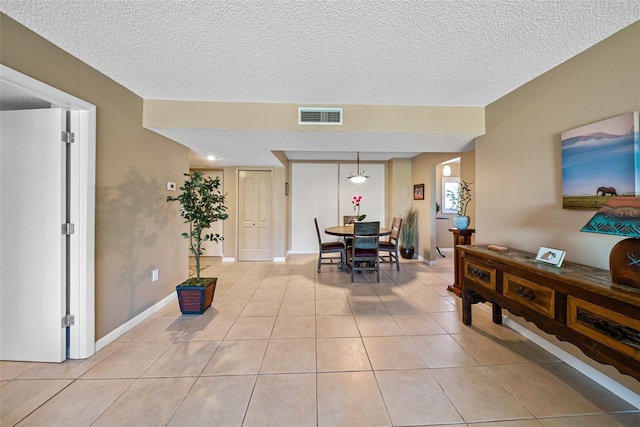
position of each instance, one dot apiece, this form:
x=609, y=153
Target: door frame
x=82, y=197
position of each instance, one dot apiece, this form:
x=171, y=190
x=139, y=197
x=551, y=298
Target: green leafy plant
x=460, y=199
x=202, y=204
x=409, y=225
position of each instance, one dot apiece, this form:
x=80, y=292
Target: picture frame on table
x=551, y=256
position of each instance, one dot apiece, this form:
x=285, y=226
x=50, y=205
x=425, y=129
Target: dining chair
x=390, y=247
x=363, y=252
x=328, y=248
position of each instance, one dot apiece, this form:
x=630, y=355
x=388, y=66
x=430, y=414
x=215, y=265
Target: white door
x=212, y=248
x=255, y=208
x=32, y=249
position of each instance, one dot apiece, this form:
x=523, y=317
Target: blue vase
x=461, y=222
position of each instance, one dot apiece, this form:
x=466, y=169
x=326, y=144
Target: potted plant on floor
x=459, y=201
x=408, y=233
x=202, y=204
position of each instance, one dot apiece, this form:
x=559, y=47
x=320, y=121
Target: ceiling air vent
x=319, y=116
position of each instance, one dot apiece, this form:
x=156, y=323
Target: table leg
x=466, y=307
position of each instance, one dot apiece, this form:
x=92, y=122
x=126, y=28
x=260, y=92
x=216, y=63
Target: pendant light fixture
x=359, y=177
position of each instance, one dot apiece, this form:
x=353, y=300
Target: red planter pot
x=195, y=297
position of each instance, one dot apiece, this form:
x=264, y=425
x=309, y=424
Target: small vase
x=407, y=253
x=462, y=222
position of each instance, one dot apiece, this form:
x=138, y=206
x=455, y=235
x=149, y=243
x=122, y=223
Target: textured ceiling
x=13, y=98
x=437, y=52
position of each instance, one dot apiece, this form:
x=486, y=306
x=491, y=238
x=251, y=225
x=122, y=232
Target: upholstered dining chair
x=389, y=249
x=326, y=250
x=363, y=252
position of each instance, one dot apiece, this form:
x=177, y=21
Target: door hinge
x=68, y=137
x=68, y=320
x=68, y=229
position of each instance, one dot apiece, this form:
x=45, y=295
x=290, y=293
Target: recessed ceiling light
x=211, y=157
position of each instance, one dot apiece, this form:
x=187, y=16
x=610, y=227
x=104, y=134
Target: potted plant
x=459, y=201
x=202, y=204
x=408, y=233
x=356, y=205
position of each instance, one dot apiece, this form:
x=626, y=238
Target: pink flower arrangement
x=356, y=202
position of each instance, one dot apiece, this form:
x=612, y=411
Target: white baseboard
x=426, y=261
x=279, y=259
x=228, y=259
x=123, y=329
x=605, y=381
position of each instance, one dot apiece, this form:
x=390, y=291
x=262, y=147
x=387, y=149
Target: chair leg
x=397, y=261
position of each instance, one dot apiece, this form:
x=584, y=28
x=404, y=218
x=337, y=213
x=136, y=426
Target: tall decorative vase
x=462, y=222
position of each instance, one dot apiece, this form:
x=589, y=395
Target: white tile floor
x=284, y=345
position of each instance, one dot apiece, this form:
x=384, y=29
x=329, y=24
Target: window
x=450, y=183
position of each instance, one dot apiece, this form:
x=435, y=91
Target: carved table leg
x=466, y=306
x=497, y=313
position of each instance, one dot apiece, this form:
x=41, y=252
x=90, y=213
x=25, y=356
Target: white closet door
x=314, y=193
x=372, y=192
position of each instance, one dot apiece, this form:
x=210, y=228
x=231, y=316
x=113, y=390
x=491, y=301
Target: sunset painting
x=600, y=160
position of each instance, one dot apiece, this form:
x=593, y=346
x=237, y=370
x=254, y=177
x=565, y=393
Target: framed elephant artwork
x=600, y=160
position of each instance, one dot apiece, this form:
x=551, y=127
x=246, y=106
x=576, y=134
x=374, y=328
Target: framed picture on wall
x=600, y=160
x=418, y=192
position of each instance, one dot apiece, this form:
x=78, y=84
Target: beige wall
x=283, y=205
x=136, y=230
x=230, y=226
x=423, y=170
x=399, y=189
x=518, y=169
x=284, y=117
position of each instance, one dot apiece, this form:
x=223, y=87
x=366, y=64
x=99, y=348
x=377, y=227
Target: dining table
x=347, y=230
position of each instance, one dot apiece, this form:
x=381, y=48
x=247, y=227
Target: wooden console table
x=576, y=303
x=460, y=237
